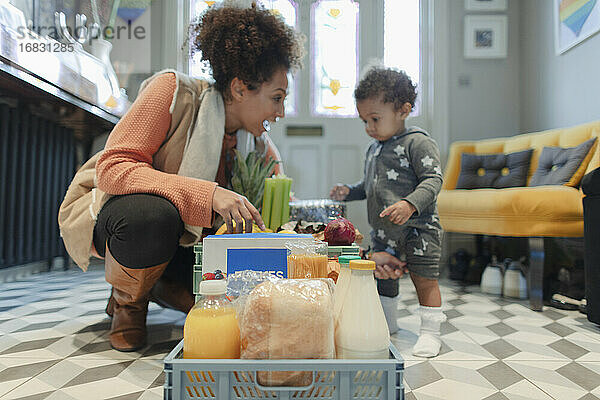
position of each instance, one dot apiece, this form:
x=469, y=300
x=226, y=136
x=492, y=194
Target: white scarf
x=202, y=151
x=203, y=145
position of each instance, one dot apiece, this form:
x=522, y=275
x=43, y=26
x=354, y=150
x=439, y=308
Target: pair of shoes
x=565, y=303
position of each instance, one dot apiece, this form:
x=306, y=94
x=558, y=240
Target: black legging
x=143, y=230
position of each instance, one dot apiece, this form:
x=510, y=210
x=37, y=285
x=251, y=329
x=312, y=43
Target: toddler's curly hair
x=248, y=43
x=394, y=85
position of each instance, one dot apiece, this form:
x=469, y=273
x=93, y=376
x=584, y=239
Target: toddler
x=402, y=178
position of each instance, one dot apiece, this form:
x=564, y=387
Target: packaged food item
x=307, y=261
x=362, y=330
x=211, y=327
x=333, y=269
x=288, y=319
x=254, y=251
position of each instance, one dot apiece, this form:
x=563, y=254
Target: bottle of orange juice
x=211, y=328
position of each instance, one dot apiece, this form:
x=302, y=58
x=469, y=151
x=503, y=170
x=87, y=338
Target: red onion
x=340, y=232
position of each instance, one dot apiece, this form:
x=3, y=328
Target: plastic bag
x=241, y=283
x=288, y=319
x=307, y=261
x=322, y=210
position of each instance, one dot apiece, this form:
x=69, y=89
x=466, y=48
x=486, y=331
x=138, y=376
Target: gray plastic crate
x=236, y=379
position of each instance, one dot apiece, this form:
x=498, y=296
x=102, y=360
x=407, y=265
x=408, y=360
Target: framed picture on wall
x=485, y=5
x=574, y=21
x=485, y=36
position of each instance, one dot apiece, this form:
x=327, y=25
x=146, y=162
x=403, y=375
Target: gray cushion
x=557, y=164
x=494, y=170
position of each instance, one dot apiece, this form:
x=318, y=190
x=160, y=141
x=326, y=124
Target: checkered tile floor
x=54, y=345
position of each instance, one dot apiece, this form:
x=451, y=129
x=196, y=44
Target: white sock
x=429, y=342
x=390, y=309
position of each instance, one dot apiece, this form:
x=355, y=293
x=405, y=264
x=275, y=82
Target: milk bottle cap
x=213, y=287
x=345, y=260
x=364, y=265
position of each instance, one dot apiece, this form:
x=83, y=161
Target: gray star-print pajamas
x=405, y=167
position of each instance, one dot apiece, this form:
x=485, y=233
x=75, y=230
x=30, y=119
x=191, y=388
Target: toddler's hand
x=399, y=212
x=387, y=266
x=339, y=192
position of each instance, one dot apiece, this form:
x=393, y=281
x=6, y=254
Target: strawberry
x=209, y=276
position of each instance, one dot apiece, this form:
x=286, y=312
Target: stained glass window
x=335, y=50
x=402, y=24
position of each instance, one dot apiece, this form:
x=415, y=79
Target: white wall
x=489, y=105
x=556, y=90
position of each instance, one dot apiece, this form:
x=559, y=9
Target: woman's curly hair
x=248, y=43
x=395, y=86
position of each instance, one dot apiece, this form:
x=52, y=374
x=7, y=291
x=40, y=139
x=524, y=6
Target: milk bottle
x=362, y=330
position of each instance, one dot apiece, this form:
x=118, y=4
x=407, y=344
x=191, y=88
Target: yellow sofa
x=533, y=212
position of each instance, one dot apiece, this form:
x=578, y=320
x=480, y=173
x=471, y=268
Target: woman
x=164, y=170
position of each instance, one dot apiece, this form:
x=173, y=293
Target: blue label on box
x=271, y=260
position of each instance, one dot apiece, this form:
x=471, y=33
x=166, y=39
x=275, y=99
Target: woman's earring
x=266, y=125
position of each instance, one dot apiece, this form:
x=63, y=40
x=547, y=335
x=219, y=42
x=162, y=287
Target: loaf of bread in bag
x=288, y=319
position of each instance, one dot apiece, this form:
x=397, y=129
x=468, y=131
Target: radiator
x=37, y=163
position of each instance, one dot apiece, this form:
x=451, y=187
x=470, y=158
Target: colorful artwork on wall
x=575, y=21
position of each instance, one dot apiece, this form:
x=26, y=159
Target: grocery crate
x=333, y=379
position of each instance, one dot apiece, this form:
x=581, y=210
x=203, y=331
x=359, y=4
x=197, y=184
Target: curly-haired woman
x=143, y=201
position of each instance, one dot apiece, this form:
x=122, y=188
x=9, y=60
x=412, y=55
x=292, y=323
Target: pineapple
x=248, y=178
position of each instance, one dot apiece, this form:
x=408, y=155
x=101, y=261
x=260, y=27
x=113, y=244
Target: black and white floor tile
x=54, y=345
x=496, y=349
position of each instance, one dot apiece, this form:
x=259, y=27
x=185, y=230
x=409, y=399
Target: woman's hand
x=399, y=212
x=387, y=266
x=235, y=207
x=339, y=192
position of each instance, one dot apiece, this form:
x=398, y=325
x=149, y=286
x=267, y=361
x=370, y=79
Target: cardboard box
x=255, y=251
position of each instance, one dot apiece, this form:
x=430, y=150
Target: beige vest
x=83, y=200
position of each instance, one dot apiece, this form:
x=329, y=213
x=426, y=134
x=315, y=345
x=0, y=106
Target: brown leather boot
x=130, y=293
x=110, y=305
x=172, y=295
x=165, y=294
